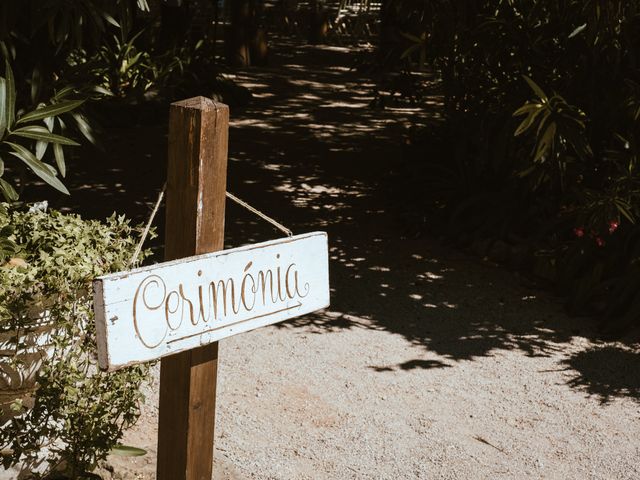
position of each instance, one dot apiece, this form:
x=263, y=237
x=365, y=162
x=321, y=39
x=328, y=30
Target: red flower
x=613, y=226
x=578, y=232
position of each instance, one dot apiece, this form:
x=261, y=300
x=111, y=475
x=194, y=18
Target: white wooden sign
x=150, y=312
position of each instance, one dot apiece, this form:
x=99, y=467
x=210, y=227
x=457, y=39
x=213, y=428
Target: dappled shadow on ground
x=442, y=301
x=310, y=152
x=413, y=364
x=606, y=372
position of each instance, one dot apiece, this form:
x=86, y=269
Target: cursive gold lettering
x=306, y=287
x=185, y=300
x=243, y=290
x=168, y=311
x=263, y=288
x=152, y=280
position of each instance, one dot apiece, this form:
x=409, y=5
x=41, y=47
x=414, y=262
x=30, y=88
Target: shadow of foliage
x=606, y=372
x=311, y=153
x=413, y=364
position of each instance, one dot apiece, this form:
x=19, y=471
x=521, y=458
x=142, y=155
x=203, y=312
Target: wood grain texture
x=196, y=185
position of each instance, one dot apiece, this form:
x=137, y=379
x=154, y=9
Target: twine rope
x=145, y=232
x=262, y=215
x=229, y=195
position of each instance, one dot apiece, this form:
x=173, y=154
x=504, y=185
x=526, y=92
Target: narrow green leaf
x=577, y=30
x=133, y=60
x=128, y=451
x=10, y=110
x=41, y=149
x=84, y=127
x=1, y=167
x=58, y=153
x=41, y=169
x=624, y=211
x=51, y=168
x=8, y=191
x=527, y=122
x=527, y=108
x=4, y=50
x=546, y=142
x=36, y=83
x=62, y=93
x=50, y=111
x=536, y=89
x=37, y=132
x=110, y=19
x=3, y=106
x=543, y=122
x=134, y=38
x=524, y=125
x=102, y=91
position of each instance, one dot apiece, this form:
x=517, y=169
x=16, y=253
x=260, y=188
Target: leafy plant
x=122, y=68
x=74, y=414
x=560, y=132
x=27, y=135
x=551, y=160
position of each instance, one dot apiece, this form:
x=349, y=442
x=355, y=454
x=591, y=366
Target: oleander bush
x=25, y=136
x=60, y=414
x=540, y=138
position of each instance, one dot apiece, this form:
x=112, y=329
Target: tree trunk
x=318, y=23
x=240, y=33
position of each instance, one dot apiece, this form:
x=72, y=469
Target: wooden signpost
x=151, y=312
x=179, y=309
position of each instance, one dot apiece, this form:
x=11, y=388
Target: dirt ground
x=429, y=364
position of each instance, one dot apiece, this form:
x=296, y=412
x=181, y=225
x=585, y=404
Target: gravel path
x=429, y=363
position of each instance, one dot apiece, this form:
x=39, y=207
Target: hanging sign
x=149, y=312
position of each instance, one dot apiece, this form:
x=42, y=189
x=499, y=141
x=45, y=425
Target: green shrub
x=541, y=131
x=28, y=135
x=71, y=414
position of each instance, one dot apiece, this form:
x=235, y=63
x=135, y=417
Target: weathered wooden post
x=178, y=310
x=196, y=185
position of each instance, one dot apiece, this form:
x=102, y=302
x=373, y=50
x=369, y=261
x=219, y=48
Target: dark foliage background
x=537, y=154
